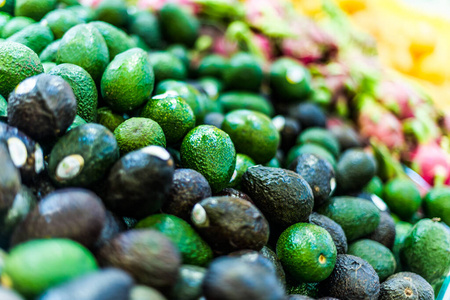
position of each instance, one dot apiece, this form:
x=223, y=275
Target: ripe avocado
x=49, y=53
x=235, y=100
x=385, y=231
x=352, y=278
x=60, y=20
x=357, y=217
x=289, y=129
x=128, y=80
x=424, y=289
x=308, y=115
x=243, y=73
x=18, y=62
x=333, y=228
x=178, y=25
x=398, y=288
x=145, y=25
x=194, y=250
x=34, y=36
x=189, y=283
x=188, y=188
x=139, y=182
x=34, y=9
x=313, y=149
x=75, y=214
x=230, y=224
x=273, y=258
x=283, y=196
x=116, y=39
x=42, y=106
x=146, y=254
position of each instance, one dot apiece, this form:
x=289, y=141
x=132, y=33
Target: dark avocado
x=73, y=163
x=42, y=185
x=25, y=153
x=333, y=228
x=308, y=115
x=229, y=224
x=398, y=288
x=188, y=188
x=147, y=255
x=385, y=231
x=273, y=258
x=352, y=278
x=113, y=226
x=424, y=289
x=107, y=284
x=42, y=106
x=75, y=214
x=354, y=170
x=7, y=294
x=10, y=180
x=347, y=136
x=139, y=183
x=319, y=174
x=189, y=283
x=283, y=196
x=234, y=193
x=142, y=292
x=289, y=129
x=231, y=278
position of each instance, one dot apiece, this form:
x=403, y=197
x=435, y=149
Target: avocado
x=182, y=53
x=189, y=283
x=228, y=224
x=402, y=230
x=139, y=182
x=211, y=86
x=178, y=25
x=108, y=118
x=107, y=284
x=424, y=291
x=194, y=250
x=7, y=294
x=3, y=109
x=354, y=170
x=235, y=100
x=243, y=162
x=73, y=163
x=116, y=39
x=437, y=204
x=84, y=46
x=307, y=289
x=14, y=25
x=167, y=66
x=10, y=180
x=376, y=254
x=37, y=265
x=84, y=13
x=234, y=278
x=188, y=188
x=273, y=258
x=426, y=250
x=352, y=278
x=142, y=292
x=215, y=119
x=230, y=192
x=319, y=174
x=315, y=149
x=18, y=62
x=243, y=73
x=8, y=7
x=145, y=25
x=78, y=121
x=128, y=80
x=34, y=9
x=375, y=186
x=308, y=115
x=347, y=136
x=402, y=196
x=333, y=228
x=60, y=20
x=43, y=106
x=113, y=225
x=113, y=12
x=307, y=252
x=212, y=65
x=172, y=113
x=398, y=288
x=209, y=151
x=289, y=129
x=146, y=254
x=357, y=217
x=25, y=153
x=34, y=36
x=283, y=196
x=76, y=214
x=385, y=231
x=289, y=80
x=48, y=54
x=321, y=137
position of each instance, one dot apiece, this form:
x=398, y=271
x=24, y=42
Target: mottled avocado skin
x=283, y=196
x=333, y=228
x=116, y=39
x=397, y=289
x=99, y=151
x=421, y=288
x=352, y=278
x=139, y=183
x=385, y=231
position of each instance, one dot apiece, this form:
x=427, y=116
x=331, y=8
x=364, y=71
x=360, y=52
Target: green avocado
x=61, y=20
x=178, y=25
x=116, y=39
x=15, y=25
x=245, y=100
x=243, y=73
x=145, y=25
x=49, y=53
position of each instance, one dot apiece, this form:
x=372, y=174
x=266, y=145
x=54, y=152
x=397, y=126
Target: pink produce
x=431, y=162
x=399, y=97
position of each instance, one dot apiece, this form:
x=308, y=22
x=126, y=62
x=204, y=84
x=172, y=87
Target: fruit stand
x=223, y=149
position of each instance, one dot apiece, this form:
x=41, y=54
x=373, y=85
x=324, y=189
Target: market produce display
x=217, y=150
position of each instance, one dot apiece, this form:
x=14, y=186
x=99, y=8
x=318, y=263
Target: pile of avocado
x=136, y=166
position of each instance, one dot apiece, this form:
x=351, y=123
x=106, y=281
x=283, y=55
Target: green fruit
x=37, y=265
x=243, y=162
x=78, y=121
x=34, y=9
x=128, y=80
x=377, y=255
x=7, y=6
x=49, y=53
x=289, y=80
x=4, y=18
x=136, y=133
x=194, y=250
x=358, y=217
x=15, y=25
x=182, y=53
x=145, y=25
x=253, y=134
x=173, y=114
x=294, y=287
x=307, y=252
x=402, y=230
x=244, y=100
x=167, y=66
x=35, y=36
x=354, y=170
x=84, y=13
x=83, y=87
x=116, y=39
x=60, y=21
x=426, y=250
x=17, y=62
x=209, y=151
x=437, y=204
x=178, y=25
x=108, y=118
x=84, y=46
x=243, y=73
x=3, y=107
x=321, y=137
x=317, y=150
x=403, y=197
x=375, y=186
x=113, y=12
x=212, y=65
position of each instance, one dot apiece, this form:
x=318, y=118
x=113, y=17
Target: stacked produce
x=205, y=150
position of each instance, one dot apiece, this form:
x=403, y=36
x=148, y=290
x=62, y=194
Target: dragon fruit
x=432, y=162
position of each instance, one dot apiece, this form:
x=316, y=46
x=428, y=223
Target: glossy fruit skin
x=177, y=25
x=333, y=228
x=301, y=248
x=321, y=137
x=209, y=151
x=243, y=73
x=35, y=36
x=167, y=66
x=34, y=9
x=116, y=39
x=243, y=162
x=437, y=204
x=354, y=170
x=402, y=197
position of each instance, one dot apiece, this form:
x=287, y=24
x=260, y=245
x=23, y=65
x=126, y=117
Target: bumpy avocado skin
x=424, y=289
x=398, y=288
x=283, y=196
x=333, y=228
x=116, y=39
x=385, y=231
